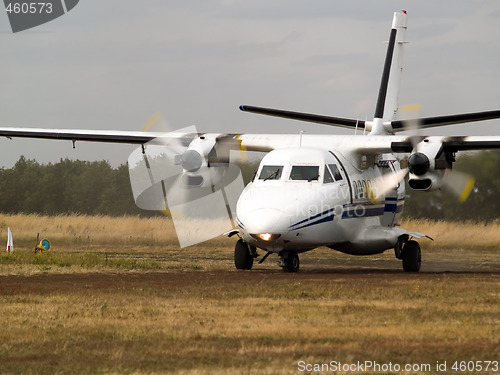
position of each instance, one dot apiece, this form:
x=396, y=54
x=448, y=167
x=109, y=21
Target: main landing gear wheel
x=412, y=257
x=289, y=261
x=243, y=259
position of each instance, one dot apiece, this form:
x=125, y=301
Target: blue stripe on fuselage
x=351, y=211
x=365, y=209
x=394, y=205
x=323, y=220
x=312, y=218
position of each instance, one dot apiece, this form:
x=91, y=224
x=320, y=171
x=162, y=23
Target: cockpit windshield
x=332, y=176
x=335, y=172
x=271, y=172
x=305, y=173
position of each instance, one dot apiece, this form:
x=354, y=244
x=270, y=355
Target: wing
x=80, y=135
x=105, y=136
x=249, y=142
x=264, y=142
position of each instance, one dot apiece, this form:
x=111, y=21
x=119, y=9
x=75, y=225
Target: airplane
x=344, y=192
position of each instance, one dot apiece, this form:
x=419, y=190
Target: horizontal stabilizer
x=430, y=122
x=319, y=119
x=450, y=144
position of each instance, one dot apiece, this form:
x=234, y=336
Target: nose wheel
x=243, y=256
x=289, y=261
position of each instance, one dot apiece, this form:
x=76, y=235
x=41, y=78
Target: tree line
x=94, y=188
x=67, y=187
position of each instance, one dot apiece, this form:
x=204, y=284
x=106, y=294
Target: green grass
x=65, y=261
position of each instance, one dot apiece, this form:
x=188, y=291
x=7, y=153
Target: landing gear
x=243, y=255
x=289, y=261
x=411, y=256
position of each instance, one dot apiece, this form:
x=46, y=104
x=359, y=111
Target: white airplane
x=342, y=192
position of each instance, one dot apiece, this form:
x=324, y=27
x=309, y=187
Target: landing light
x=266, y=236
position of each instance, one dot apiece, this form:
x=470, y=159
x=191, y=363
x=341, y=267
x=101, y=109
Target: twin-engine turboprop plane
x=305, y=196
x=343, y=192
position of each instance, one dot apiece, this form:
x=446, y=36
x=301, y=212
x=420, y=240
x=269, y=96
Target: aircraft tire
x=243, y=260
x=292, y=262
x=411, y=256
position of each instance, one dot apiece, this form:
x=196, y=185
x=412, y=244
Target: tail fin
x=387, y=102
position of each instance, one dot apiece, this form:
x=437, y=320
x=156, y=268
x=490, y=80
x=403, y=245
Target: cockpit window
x=271, y=172
x=335, y=172
x=327, y=176
x=305, y=172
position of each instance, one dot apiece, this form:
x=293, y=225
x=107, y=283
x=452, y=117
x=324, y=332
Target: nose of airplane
x=265, y=220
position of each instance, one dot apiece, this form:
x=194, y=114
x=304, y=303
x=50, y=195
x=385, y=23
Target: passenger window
x=328, y=176
x=335, y=171
x=271, y=172
x=305, y=173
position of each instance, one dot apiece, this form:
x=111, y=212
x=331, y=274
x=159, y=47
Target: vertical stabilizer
x=387, y=102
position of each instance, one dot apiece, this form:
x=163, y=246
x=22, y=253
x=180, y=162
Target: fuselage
x=302, y=198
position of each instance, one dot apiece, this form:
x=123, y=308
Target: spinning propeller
x=193, y=178
x=429, y=168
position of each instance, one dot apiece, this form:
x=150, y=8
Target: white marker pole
x=10, y=242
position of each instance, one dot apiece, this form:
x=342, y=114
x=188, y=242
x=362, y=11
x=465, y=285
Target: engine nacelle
x=428, y=164
x=206, y=162
x=427, y=182
x=196, y=155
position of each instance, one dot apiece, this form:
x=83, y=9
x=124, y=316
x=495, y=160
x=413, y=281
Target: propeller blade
x=413, y=125
x=189, y=176
x=155, y=162
x=157, y=123
x=193, y=178
x=460, y=184
x=204, y=212
x=178, y=141
x=384, y=184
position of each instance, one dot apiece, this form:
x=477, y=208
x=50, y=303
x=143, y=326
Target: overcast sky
x=113, y=64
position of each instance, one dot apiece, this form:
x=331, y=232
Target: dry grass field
x=117, y=296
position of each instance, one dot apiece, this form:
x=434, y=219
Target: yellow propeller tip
x=468, y=190
x=411, y=108
x=153, y=120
